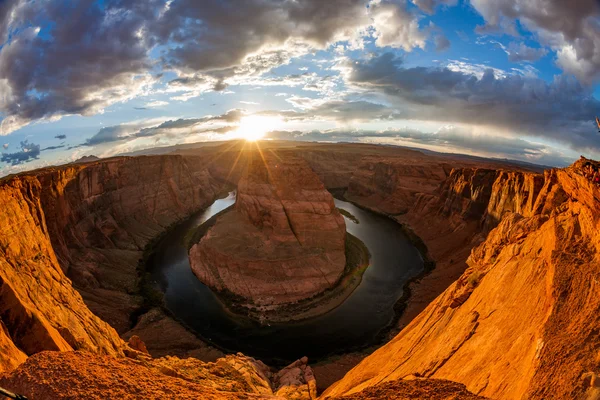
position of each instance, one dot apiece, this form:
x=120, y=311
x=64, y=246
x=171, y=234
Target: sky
x=514, y=79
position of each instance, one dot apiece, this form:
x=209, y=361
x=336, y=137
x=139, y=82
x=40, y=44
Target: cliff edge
x=522, y=321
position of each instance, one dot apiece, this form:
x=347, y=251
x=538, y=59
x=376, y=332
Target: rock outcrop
x=284, y=241
x=80, y=375
x=415, y=388
x=522, y=321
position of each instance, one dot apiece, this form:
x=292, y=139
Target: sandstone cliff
x=39, y=309
x=283, y=242
x=101, y=215
x=91, y=222
x=522, y=320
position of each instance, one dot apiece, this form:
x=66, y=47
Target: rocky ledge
x=284, y=241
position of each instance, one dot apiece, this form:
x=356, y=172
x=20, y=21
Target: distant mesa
x=86, y=159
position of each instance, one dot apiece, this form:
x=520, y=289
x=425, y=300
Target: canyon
x=507, y=309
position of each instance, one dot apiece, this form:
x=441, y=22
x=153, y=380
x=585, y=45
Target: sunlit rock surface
x=284, y=241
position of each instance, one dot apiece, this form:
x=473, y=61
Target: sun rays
x=255, y=127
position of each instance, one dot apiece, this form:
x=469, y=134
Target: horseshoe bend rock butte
x=284, y=240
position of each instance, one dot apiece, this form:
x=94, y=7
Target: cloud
x=53, y=147
x=395, y=26
x=520, y=52
x=150, y=128
x=560, y=110
x=569, y=27
x=29, y=152
x=260, y=35
x=342, y=111
x=154, y=104
x=59, y=58
x=61, y=137
x=441, y=43
x=89, y=57
x=429, y=5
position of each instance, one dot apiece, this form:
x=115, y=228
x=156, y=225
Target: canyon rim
x=300, y=199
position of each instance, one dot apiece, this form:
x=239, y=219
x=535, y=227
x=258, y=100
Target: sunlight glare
x=255, y=127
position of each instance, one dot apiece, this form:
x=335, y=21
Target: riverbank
x=444, y=252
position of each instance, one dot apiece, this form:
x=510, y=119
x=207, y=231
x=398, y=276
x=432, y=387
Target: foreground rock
x=80, y=375
x=283, y=242
x=414, y=388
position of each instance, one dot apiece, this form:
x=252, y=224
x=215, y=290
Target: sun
x=255, y=127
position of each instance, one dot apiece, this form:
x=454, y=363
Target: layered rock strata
x=284, y=240
x=87, y=222
x=521, y=321
x=39, y=309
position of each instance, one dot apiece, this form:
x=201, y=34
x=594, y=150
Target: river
x=354, y=324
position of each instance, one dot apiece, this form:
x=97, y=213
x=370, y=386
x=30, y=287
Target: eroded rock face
x=284, y=241
x=80, y=375
x=101, y=215
x=90, y=222
x=391, y=185
x=39, y=309
x=519, y=322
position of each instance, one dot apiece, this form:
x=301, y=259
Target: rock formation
x=81, y=375
x=91, y=222
x=284, y=241
x=39, y=309
x=522, y=320
x=101, y=215
x=518, y=320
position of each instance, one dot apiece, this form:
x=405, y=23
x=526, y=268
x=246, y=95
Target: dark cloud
x=201, y=30
x=29, y=152
x=569, y=27
x=172, y=127
x=90, y=55
x=518, y=52
x=441, y=43
x=562, y=110
x=53, y=147
x=61, y=137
